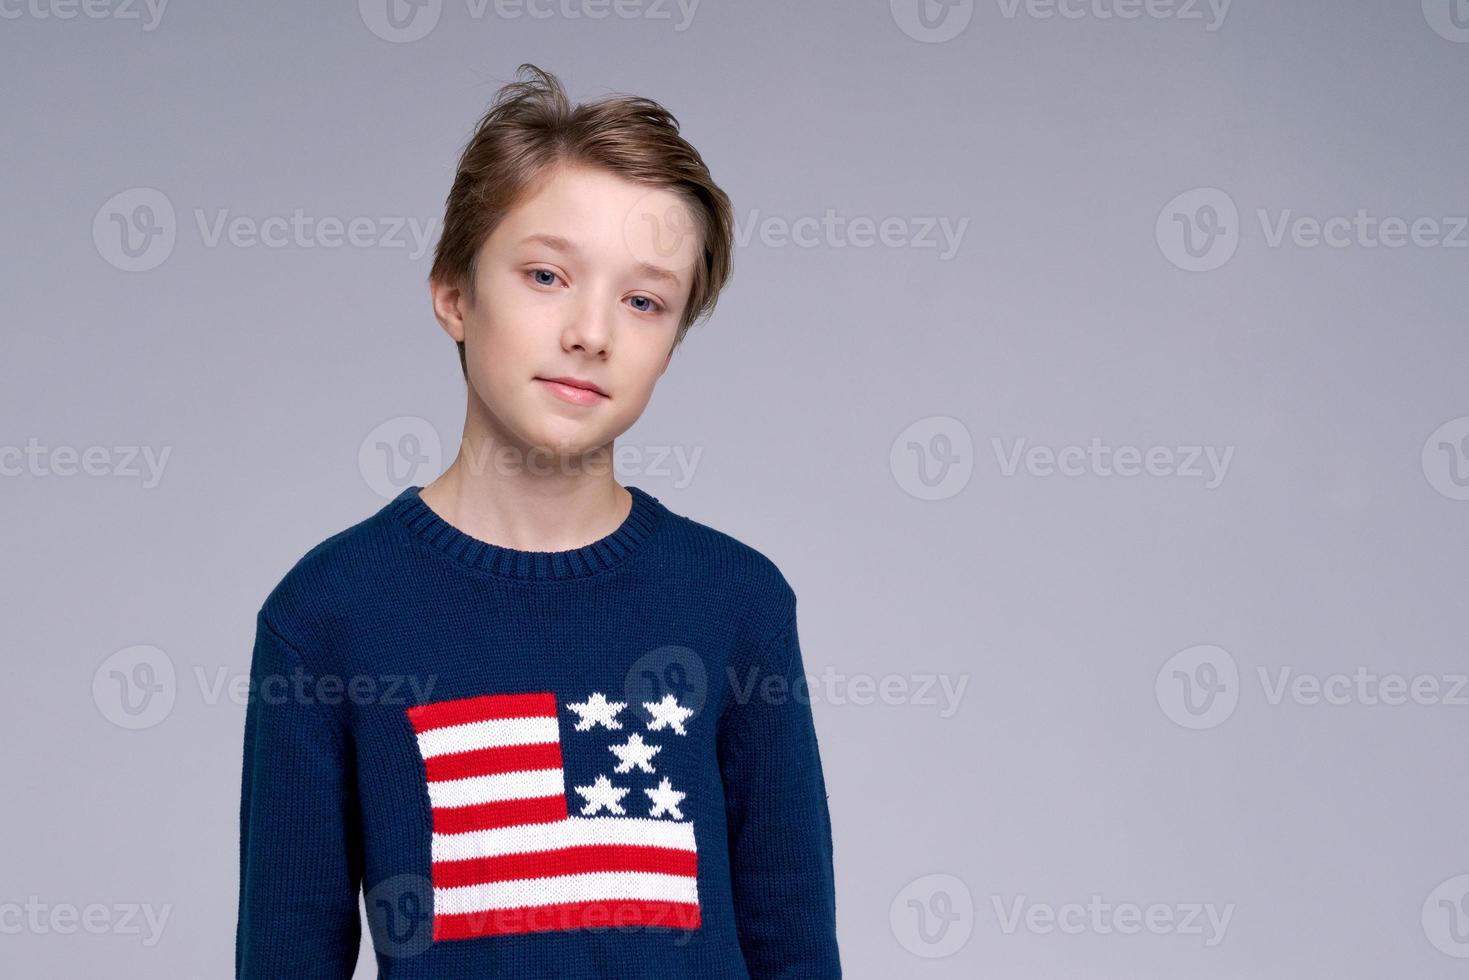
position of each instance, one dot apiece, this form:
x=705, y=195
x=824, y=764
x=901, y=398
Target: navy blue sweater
x=595, y=763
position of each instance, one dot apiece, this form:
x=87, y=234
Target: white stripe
x=524, y=785
x=571, y=832
x=487, y=734
x=590, y=887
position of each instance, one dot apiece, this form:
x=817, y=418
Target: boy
x=551, y=728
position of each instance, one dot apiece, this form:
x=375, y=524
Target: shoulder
x=750, y=578
x=316, y=594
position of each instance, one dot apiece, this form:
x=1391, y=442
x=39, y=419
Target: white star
x=602, y=793
x=634, y=752
x=597, y=710
x=665, y=800
x=667, y=712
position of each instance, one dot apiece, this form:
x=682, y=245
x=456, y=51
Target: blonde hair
x=530, y=128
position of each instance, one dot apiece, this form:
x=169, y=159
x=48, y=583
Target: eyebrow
x=566, y=245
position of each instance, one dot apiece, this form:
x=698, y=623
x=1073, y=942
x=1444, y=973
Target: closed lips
x=576, y=383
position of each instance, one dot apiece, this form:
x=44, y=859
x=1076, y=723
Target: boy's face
x=569, y=286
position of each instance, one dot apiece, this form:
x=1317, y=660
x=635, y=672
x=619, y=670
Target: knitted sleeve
x=300, y=869
x=779, y=825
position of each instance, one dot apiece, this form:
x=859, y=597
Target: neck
x=528, y=499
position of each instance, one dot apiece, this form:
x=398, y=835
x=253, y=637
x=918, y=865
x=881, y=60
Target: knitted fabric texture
x=595, y=763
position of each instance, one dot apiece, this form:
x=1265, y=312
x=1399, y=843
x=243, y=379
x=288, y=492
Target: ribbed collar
x=600, y=555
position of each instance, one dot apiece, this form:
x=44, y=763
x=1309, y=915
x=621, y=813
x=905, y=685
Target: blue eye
x=653, y=305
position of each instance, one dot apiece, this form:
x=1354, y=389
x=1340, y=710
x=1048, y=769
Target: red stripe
x=568, y=861
x=572, y=915
x=499, y=813
x=485, y=707
x=493, y=760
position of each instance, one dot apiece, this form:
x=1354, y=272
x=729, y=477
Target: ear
x=448, y=302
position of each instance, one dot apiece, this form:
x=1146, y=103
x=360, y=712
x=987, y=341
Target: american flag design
x=513, y=852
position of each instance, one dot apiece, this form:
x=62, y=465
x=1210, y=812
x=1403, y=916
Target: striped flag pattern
x=509, y=856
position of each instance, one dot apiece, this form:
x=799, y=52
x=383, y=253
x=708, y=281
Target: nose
x=590, y=328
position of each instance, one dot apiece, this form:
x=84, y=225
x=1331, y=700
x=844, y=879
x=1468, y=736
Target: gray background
x=834, y=377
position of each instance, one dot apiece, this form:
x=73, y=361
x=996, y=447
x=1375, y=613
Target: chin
x=566, y=443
